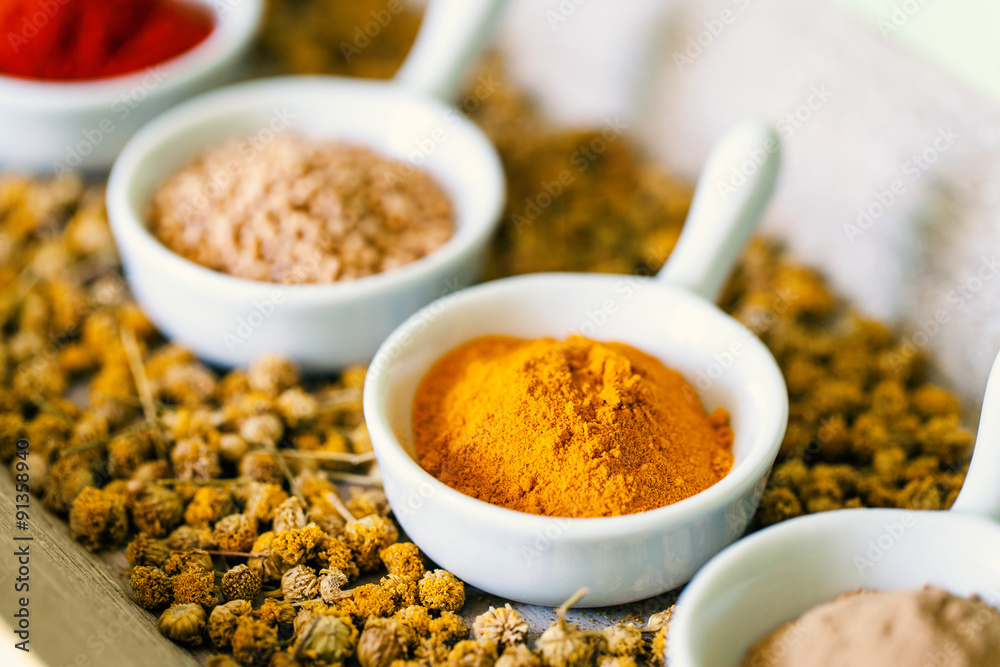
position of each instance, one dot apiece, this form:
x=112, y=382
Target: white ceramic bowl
x=778, y=574
x=46, y=126
x=544, y=560
x=232, y=321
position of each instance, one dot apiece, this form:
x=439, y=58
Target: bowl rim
x=232, y=31
x=781, y=536
x=133, y=235
x=754, y=468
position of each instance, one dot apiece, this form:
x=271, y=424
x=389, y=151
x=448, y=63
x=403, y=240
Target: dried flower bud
x=193, y=458
x=441, y=590
x=127, y=452
x=417, y=618
x=263, y=500
x=157, y=510
x=294, y=546
x=146, y=550
x=449, y=628
x=190, y=384
x=299, y=584
x=331, y=583
x=504, y=626
x=183, y=623
x=235, y=532
x=297, y=407
x=404, y=590
x=283, y=659
x=185, y=538
x=564, y=645
x=384, y=641
x=268, y=567
x=261, y=466
x=518, y=655
x=210, y=503
x=151, y=587
x=289, y=515
x=253, y=642
x=367, y=537
x=272, y=374
x=660, y=620
x=221, y=660
x=196, y=588
x=232, y=447
x=265, y=429
x=240, y=583
x=334, y=553
x=223, y=620
x=658, y=648
x=473, y=653
x=373, y=600
x=617, y=661
x=404, y=559
x=98, y=518
x=367, y=502
x=621, y=639
x=327, y=639
x=275, y=613
x=192, y=560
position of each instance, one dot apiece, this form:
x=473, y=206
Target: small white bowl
x=82, y=125
x=773, y=577
x=544, y=560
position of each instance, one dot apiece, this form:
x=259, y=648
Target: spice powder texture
x=570, y=429
x=300, y=211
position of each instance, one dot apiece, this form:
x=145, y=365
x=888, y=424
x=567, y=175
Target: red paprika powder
x=71, y=40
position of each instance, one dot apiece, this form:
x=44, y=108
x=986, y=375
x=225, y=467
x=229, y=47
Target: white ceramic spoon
x=232, y=321
x=544, y=560
x=776, y=575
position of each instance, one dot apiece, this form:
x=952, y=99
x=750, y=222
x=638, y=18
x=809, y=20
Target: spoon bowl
x=544, y=560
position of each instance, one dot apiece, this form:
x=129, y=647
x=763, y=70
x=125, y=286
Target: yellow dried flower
x=373, y=600
x=327, y=639
x=221, y=660
x=223, y=620
x=562, y=644
x=275, y=612
x=518, y=655
x=210, y=503
x=253, y=642
x=240, y=583
x=268, y=567
x=299, y=584
x=504, y=626
x=183, y=623
x=151, y=587
x=98, y=519
x=235, y=532
x=449, y=628
x=232, y=447
x=190, y=560
x=146, y=550
x=384, y=641
x=417, y=618
x=367, y=537
x=297, y=407
x=621, y=639
x=658, y=652
x=660, y=620
x=272, y=374
x=442, y=591
x=128, y=452
x=473, y=653
x=261, y=466
x=331, y=583
x=365, y=502
x=334, y=553
x=289, y=515
x=196, y=588
x=617, y=661
x=265, y=429
x=157, y=510
x=194, y=458
x=185, y=538
x=294, y=546
x=263, y=500
x=404, y=590
x=403, y=559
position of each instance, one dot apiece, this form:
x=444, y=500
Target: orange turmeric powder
x=569, y=429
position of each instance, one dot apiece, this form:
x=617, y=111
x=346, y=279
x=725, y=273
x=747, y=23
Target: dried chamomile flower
x=373, y=600
x=504, y=626
x=190, y=384
x=263, y=499
x=289, y=515
x=658, y=650
x=449, y=628
x=403, y=559
x=563, y=645
x=365, y=502
x=146, y=550
x=185, y=538
x=404, y=590
x=294, y=546
x=194, y=458
x=223, y=620
x=335, y=553
x=272, y=374
x=189, y=560
x=417, y=618
x=621, y=639
x=196, y=588
x=68, y=476
x=331, y=583
x=660, y=619
x=296, y=406
x=265, y=429
x=473, y=653
x=221, y=660
x=151, y=471
x=232, y=447
x=617, y=661
x=157, y=510
x=235, y=532
x=98, y=519
x=299, y=584
x=210, y=503
x=253, y=642
x=151, y=587
x=283, y=659
x=261, y=466
x=127, y=452
x=269, y=566
x=432, y=651
x=384, y=641
x=183, y=623
x=518, y=655
x=442, y=591
x=275, y=613
x=327, y=639
x=240, y=583
x=367, y=537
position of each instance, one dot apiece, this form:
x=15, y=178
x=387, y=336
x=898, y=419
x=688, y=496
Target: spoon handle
x=732, y=193
x=980, y=493
x=451, y=35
